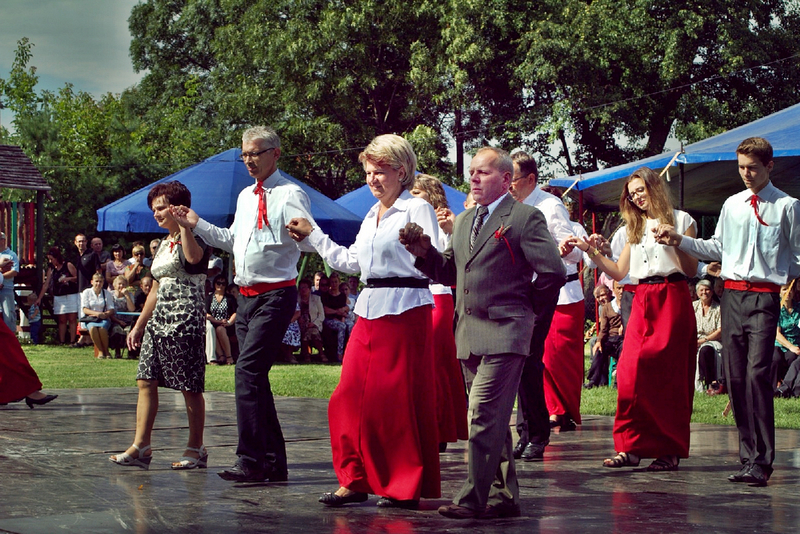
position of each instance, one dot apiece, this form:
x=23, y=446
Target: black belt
x=572, y=277
x=674, y=277
x=398, y=281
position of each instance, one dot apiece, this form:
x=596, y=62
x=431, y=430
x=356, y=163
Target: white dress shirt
x=749, y=250
x=560, y=227
x=377, y=253
x=268, y=255
x=649, y=258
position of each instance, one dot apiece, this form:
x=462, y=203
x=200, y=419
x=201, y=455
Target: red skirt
x=17, y=377
x=563, y=361
x=655, y=373
x=451, y=396
x=383, y=431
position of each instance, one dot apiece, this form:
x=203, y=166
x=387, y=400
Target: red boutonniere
x=499, y=234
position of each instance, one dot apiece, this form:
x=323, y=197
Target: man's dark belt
x=398, y=281
x=572, y=277
x=674, y=277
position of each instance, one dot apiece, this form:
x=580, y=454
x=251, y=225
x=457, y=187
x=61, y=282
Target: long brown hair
x=661, y=206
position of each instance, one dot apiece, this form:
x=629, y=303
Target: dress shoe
x=534, y=452
x=246, y=471
x=519, y=448
x=333, y=500
x=503, y=509
x=388, y=502
x=756, y=476
x=739, y=476
x=454, y=511
x=39, y=402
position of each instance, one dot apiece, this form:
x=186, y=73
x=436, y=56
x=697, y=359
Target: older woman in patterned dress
x=170, y=332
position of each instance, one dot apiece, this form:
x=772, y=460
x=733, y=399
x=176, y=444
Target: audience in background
x=787, y=340
x=116, y=266
x=136, y=270
x=310, y=321
x=221, y=313
x=709, y=374
x=62, y=282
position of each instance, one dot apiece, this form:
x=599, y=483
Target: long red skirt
x=381, y=418
x=451, y=396
x=563, y=361
x=655, y=373
x=17, y=377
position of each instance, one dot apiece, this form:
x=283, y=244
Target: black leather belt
x=674, y=277
x=572, y=277
x=398, y=281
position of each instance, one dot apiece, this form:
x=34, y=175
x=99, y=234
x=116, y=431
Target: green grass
x=64, y=368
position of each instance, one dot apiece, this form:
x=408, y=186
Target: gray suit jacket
x=496, y=304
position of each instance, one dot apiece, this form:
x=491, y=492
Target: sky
x=82, y=42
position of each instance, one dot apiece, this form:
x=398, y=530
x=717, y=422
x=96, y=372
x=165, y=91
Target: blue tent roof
x=710, y=171
x=215, y=184
x=361, y=200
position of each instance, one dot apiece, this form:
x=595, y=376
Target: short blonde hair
x=121, y=278
x=394, y=151
x=97, y=276
x=137, y=249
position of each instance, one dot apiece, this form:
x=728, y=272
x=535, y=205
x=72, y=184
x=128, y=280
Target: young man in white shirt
x=758, y=242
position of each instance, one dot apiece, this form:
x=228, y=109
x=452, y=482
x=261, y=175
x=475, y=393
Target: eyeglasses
x=139, y=254
x=515, y=180
x=254, y=155
x=641, y=191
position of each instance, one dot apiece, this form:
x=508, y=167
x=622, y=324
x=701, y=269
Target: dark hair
x=221, y=277
x=175, y=192
x=56, y=253
x=116, y=246
x=527, y=165
x=305, y=281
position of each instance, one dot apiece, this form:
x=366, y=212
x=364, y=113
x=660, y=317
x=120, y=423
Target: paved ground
x=56, y=478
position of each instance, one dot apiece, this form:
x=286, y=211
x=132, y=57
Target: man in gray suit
x=496, y=248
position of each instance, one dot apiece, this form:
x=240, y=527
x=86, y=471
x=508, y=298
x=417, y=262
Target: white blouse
x=102, y=302
x=377, y=253
x=649, y=258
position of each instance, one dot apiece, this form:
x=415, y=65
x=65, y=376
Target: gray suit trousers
x=492, y=477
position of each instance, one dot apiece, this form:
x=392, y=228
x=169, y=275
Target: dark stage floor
x=56, y=478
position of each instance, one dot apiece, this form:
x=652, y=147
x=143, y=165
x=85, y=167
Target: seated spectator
x=291, y=339
x=140, y=295
x=34, y=315
x=136, y=270
x=116, y=266
x=120, y=324
x=350, y=319
x=154, y=244
x=310, y=321
x=221, y=313
x=321, y=284
x=334, y=302
x=787, y=339
x=708, y=377
x=609, y=336
x=97, y=305
x=214, y=269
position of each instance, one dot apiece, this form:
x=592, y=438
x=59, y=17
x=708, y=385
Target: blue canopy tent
x=361, y=200
x=706, y=171
x=215, y=184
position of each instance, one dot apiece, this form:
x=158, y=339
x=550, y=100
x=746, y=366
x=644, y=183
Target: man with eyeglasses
x=533, y=416
x=266, y=268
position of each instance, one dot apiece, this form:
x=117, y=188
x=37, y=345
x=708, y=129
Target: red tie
x=262, y=205
x=754, y=203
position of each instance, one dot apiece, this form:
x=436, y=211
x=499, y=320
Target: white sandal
x=187, y=462
x=127, y=460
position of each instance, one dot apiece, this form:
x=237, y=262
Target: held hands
x=184, y=216
x=569, y=244
x=299, y=228
x=714, y=268
x=414, y=239
x=665, y=234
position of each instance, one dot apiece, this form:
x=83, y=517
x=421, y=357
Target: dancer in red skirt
x=383, y=431
x=18, y=380
x=655, y=374
x=451, y=398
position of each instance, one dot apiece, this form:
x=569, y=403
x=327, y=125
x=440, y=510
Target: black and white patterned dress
x=173, y=347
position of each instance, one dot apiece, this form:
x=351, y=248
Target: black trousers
x=261, y=323
x=598, y=372
x=749, y=324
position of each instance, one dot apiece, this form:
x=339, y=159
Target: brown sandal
x=664, y=463
x=622, y=459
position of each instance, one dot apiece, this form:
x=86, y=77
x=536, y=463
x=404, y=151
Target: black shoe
x=519, y=448
x=388, y=502
x=739, y=476
x=756, y=476
x=39, y=402
x=443, y=446
x=333, y=500
x=534, y=452
x=589, y=385
x=246, y=471
x=500, y=510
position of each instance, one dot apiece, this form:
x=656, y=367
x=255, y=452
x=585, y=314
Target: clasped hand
x=413, y=237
